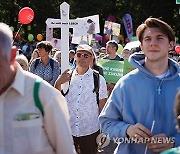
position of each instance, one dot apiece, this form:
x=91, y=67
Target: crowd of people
x=41, y=115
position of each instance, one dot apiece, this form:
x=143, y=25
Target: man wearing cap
x=102, y=50
x=126, y=53
x=82, y=103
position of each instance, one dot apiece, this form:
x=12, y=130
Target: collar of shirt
x=88, y=73
x=18, y=83
x=40, y=60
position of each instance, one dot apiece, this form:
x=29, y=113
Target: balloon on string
x=26, y=15
x=177, y=49
x=39, y=37
x=12, y=28
x=30, y=37
x=16, y=36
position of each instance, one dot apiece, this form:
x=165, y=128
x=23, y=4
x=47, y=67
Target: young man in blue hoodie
x=140, y=107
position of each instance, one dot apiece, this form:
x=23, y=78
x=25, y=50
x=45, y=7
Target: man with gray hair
x=24, y=127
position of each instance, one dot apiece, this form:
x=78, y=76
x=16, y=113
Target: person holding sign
x=108, y=28
x=111, y=48
x=84, y=102
x=141, y=105
x=91, y=28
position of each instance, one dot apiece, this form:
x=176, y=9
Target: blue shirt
x=45, y=71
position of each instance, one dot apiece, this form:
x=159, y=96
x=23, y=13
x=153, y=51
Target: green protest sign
x=127, y=67
x=112, y=69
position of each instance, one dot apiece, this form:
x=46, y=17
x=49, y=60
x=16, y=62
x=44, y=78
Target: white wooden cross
x=64, y=23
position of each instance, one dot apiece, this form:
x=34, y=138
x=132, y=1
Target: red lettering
x=128, y=26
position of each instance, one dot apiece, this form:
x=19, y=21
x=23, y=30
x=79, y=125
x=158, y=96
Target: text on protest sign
x=64, y=23
x=112, y=69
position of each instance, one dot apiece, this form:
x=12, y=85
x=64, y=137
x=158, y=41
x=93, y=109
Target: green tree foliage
x=168, y=10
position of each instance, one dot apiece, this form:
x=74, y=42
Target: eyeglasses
x=84, y=55
x=22, y=65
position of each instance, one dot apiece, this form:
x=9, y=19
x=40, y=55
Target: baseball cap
x=84, y=47
x=102, y=48
x=72, y=51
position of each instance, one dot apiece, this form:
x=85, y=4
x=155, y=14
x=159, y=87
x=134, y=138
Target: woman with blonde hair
x=23, y=61
x=57, y=56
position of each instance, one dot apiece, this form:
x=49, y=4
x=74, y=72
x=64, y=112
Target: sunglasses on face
x=83, y=55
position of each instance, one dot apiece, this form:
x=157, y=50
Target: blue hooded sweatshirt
x=141, y=97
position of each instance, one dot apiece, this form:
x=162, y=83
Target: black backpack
x=96, y=85
x=38, y=60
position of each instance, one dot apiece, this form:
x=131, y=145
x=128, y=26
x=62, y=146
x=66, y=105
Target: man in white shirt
x=23, y=127
x=82, y=102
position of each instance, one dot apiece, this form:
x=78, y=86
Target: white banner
x=91, y=26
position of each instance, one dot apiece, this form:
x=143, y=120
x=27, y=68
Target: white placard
x=64, y=23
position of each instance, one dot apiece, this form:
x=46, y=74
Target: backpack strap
x=52, y=64
x=96, y=85
x=62, y=92
x=36, y=96
x=36, y=63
